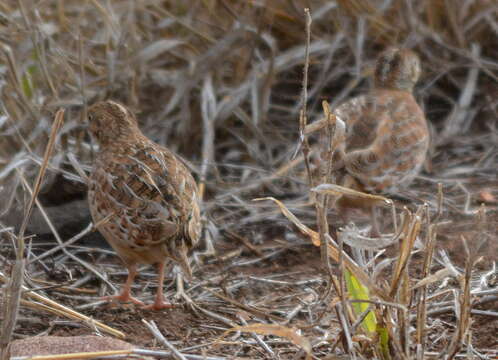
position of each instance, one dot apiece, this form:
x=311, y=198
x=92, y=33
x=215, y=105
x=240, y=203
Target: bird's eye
x=90, y=117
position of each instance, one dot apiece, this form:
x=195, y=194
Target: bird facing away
x=386, y=138
x=143, y=195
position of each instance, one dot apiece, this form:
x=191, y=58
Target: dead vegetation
x=220, y=82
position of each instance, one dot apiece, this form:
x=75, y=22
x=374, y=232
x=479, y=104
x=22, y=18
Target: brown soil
x=188, y=327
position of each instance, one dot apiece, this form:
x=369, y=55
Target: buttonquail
x=386, y=133
x=147, y=194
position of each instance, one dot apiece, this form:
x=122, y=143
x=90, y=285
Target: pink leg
x=160, y=303
x=125, y=295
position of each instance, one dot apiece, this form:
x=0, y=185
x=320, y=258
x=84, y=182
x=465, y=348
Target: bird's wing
x=398, y=143
x=154, y=194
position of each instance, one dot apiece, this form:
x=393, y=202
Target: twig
x=305, y=148
x=208, y=111
x=463, y=315
x=157, y=334
x=71, y=241
x=62, y=246
x=247, y=308
x=422, y=296
x=258, y=339
x=59, y=309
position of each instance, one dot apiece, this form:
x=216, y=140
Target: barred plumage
x=386, y=131
x=148, y=192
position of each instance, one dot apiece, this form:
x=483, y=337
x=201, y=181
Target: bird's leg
x=180, y=289
x=375, y=232
x=160, y=303
x=125, y=295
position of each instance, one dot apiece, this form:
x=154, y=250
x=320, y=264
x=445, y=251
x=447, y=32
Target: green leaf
x=384, y=342
x=27, y=81
x=357, y=291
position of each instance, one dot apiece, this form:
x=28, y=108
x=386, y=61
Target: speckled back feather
x=386, y=131
x=150, y=192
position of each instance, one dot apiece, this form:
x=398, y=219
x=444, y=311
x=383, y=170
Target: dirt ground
x=292, y=278
x=270, y=274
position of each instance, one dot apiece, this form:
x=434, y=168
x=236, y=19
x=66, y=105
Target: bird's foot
x=124, y=297
x=158, y=304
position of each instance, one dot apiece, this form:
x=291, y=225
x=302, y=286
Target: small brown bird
x=147, y=193
x=386, y=133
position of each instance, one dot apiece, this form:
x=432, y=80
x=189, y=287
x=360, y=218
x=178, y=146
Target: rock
x=56, y=345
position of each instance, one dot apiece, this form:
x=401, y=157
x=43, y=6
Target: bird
x=387, y=137
x=142, y=196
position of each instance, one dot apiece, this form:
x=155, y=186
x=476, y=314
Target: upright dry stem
x=12, y=293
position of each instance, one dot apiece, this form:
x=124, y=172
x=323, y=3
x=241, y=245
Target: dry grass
x=220, y=82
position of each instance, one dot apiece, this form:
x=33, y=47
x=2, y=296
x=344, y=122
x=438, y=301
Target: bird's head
x=397, y=69
x=110, y=122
